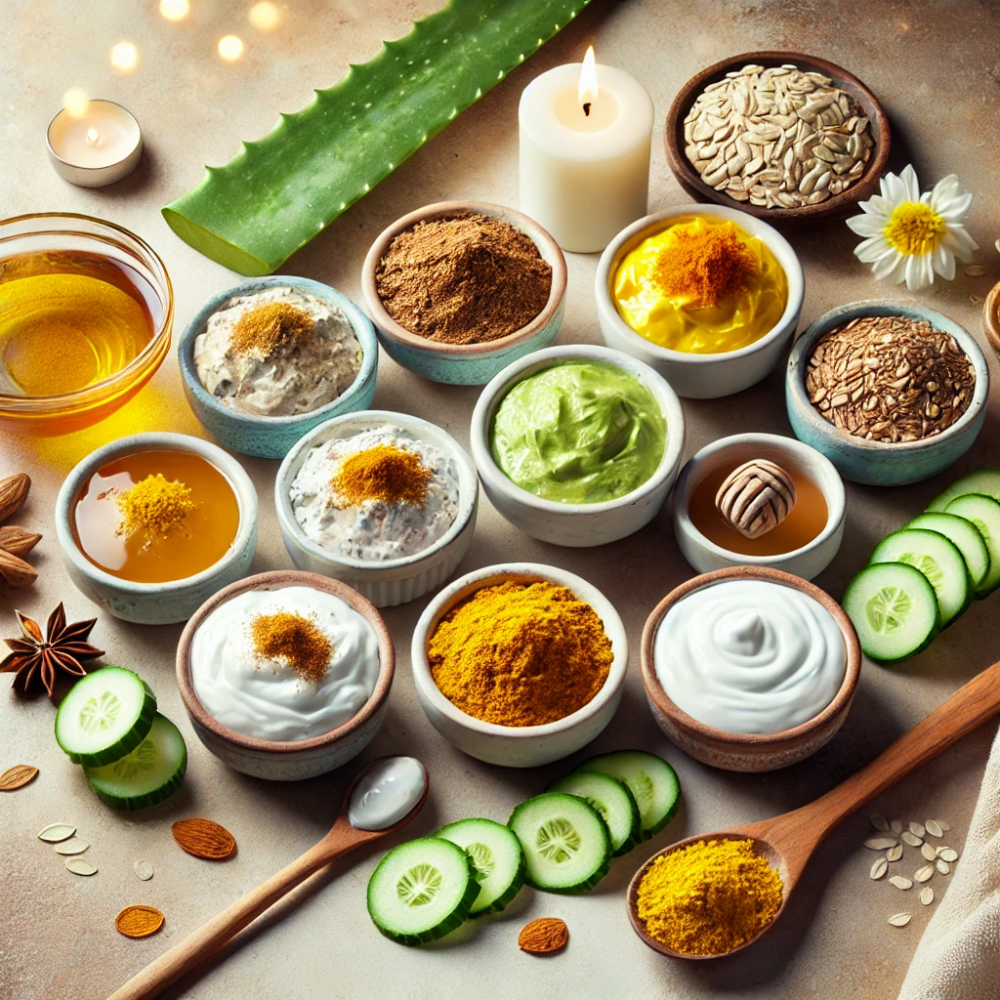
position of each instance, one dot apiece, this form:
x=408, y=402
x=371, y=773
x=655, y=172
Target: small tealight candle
x=94, y=144
x=585, y=133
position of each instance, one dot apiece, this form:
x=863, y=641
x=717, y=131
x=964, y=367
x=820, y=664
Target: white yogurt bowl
x=585, y=524
x=806, y=562
x=391, y=581
x=518, y=746
x=701, y=376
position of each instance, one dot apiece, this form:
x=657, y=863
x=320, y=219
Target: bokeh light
x=175, y=10
x=230, y=47
x=265, y=16
x=75, y=101
x=124, y=56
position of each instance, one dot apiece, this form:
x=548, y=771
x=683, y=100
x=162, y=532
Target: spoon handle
x=213, y=934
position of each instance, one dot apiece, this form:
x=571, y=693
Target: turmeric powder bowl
x=522, y=745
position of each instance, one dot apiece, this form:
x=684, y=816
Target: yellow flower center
x=914, y=229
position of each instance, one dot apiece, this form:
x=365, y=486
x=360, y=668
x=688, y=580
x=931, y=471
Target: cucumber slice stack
x=612, y=799
x=496, y=857
x=132, y=756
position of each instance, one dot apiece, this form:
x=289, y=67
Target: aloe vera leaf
x=279, y=192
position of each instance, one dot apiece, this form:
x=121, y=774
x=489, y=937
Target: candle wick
x=586, y=109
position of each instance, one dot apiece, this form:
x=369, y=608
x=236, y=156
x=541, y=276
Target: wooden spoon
x=211, y=936
x=788, y=841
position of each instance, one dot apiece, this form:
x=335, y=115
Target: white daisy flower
x=909, y=236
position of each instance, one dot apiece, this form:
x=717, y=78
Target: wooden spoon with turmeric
x=788, y=841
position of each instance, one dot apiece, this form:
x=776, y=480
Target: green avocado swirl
x=579, y=432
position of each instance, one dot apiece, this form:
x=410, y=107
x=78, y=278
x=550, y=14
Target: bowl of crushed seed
x=781, y=135
x=892, y=393
x=458, y=290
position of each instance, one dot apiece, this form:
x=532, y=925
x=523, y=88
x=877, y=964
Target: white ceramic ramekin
x=394, y=581
x=157, y=603
x=806, y=562
x=577, y=525
x=701, y=376
x=518, y=746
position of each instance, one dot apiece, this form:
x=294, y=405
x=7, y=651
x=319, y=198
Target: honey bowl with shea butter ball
x=707, y=296
x=86, y=311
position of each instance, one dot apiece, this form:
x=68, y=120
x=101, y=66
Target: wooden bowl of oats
x=783, y=136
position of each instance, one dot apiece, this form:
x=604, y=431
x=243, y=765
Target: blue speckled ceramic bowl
x=874, y=462
x=176, y=600
x=465, y=364
x=272, y=437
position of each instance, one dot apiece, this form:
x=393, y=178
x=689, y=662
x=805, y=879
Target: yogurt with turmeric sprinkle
x=700, y=285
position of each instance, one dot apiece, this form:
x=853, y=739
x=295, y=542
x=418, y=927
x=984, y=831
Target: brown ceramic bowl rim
x=865, y=185
x=748, y=741
x=442, y=209
x=272, y=581
x=991, y=318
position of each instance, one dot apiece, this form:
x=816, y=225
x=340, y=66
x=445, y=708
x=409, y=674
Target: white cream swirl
x=264, y=698
x=750, y=656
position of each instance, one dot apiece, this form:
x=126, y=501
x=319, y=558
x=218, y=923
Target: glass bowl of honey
x=86, y=312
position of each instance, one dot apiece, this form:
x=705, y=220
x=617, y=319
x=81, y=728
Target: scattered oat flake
x=879, y=822
x=17, y=777
x=901, y=882
x=927, y=896
x=917, y=829
x=74, y=846
x=80, y=866
x=55, y=832
x=879, y=868
x=896, y=826
x=900, y=919
x=880, y=843
x=934, y=828
x=543, y=936
x=923, y=874
x=947, y=854
x=975, y=299
x=944, y=826
x=974, y=270
x=911, y=839
x=928, y=852
x=144, y=870
x=997, y=245
x=894, y=853
x=943, y=867
x=138, y=921
x=204, y=838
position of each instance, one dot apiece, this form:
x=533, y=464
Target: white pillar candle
x=584, y=158
x=95, y=144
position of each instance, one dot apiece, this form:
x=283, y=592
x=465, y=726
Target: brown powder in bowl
x=467, y=279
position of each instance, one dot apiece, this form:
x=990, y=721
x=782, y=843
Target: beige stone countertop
x=933, y=63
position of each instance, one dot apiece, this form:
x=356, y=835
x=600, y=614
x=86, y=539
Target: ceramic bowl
x=393, y=581
x=991, y=318
x=518, y=746
x=465, y=364
x=741, y=751
x=874, y=462
x=289, y=760
x=835, y=206
x=701, y=376
x=808, y=561
x=72, y=411
x=157, y=603
x=271, y=437
x=577, y=525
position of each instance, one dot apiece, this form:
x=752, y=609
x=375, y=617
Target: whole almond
x=543, y=936
x=15, y=571
x=18, y=541
x=138, y=921
x=17, y=777
x=204, y=839
x=13, y=492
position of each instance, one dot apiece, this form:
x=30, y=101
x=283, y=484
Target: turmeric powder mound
x=709, y=897
x=262, y=331
x=520, y=654
x=704, y=265
x=295, y=639
x=384, y=473
x=155, y=505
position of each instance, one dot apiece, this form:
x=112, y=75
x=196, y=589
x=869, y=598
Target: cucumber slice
x=984, y=514
x=964, y=536
x=985, y=481
x=152, y=772
x=105, y=716
x=612, y=799
x=496, y=857
x=422, y=890
x=894, y=610
x=650, y=779
x=567, y=847
x=938, y=559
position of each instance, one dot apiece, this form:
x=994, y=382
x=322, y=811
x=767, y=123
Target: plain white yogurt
x=264, y=698
x=750, y=656
x=385, y=792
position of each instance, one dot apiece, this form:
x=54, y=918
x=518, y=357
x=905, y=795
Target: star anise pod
x=61, y=648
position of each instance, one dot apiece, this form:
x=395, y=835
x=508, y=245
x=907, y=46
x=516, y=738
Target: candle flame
x=75, y=102
x=92, y=136
x=587, y=92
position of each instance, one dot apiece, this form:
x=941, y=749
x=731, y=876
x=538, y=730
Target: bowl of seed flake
x=783, y=136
